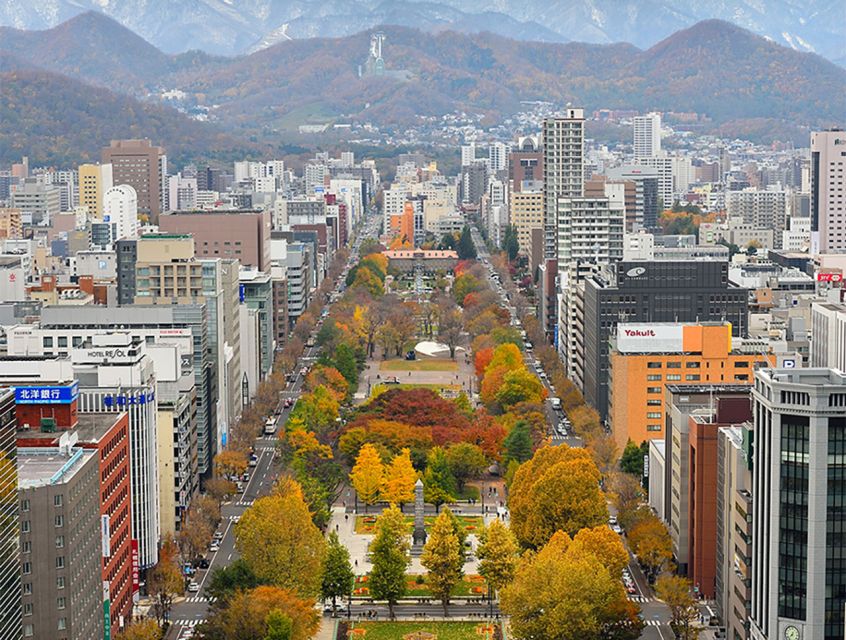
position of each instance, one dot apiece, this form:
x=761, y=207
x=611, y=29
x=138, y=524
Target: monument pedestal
x=418, y=535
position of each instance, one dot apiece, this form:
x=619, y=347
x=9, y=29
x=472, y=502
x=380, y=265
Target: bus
x=269, y=427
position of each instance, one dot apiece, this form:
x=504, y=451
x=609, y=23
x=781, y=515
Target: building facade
x=828, y=199
x=10, y=575
x=142, y=166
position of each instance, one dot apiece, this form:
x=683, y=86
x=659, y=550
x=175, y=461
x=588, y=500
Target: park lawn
x=364, y=525
x=379, y=389
x=472, y=585
x=436, y=364
x=441, y=630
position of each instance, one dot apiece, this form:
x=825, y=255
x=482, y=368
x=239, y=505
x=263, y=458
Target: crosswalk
x=639, y=599
x=653, y=623
x=199, y=599
x=186, y=622
x=244, y=503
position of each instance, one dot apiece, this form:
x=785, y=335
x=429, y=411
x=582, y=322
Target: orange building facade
x=646, y=356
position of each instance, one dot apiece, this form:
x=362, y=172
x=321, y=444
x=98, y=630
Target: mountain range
x=232, y=27
x=740, y=83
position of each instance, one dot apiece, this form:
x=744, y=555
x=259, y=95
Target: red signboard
x=829, y=277
x=136, y=567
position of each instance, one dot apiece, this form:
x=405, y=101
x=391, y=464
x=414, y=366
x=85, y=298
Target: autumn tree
x=230, y=462
x=675, y=592
x=400, y=480
x=245, y=616
x=368, y=475
x=389, y=552
x=466, y=461
x=559, y=593
x=318, y=410
x=520, y=386
x=143, y=629
x=651, y=543
x=558, y=488
x=278, y=540
x=443, y=557
x=328, y=377
x=164, y=581
x=450, y=325
x=498, y=553
x=605, y=545
x=338, y=576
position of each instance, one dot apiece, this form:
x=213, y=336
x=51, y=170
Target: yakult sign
x=649, y=338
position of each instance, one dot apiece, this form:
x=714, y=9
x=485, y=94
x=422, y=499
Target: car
x=631, y=589
x=204, y=563
x=617, y=529
x=542, y=375
x=612, y=519
x=239, y=486
x=214, y=547
x=253, y=461
x=245, y=477
x=193, y=587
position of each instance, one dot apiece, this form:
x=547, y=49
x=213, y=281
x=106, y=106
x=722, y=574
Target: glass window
x=671, y=377
x=24, y=505
x=59, y=521
x=693, y=365
x=25, y=526
x=27, y=609
x=60, y=582
x=653, y=389
x=653, y=365
x=653, y=427
x=60, y=562
x=654, y=377
x=692, y=377
x=653, y=403
x=63, y=624
x=57, y=500
x=27, y=588
x=63, y=342
x=26, y=547
x=741, y=365
x=26, y=568
x=47, y=342
x=60, y=542
x=28, y=631
x=674, y=365
x=60, y=602
x=654, y=415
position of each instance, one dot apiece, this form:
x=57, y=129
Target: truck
x=269, y=426
x=556, y=403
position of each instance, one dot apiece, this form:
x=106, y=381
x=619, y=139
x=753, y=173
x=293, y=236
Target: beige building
x=166, y=271
x=10, y=223
x=828, y=200
x=526, y=213
x=94, y=181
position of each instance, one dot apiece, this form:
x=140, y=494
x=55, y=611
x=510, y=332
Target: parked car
x=204, y=563
x=193, y=587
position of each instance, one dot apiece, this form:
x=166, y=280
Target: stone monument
x=418, y=535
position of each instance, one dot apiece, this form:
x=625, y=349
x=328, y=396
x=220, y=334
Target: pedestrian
x=336, y=526
x=356, y=562
x=346, y=517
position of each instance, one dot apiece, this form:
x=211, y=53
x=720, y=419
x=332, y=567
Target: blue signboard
x=242, y=293
x=60, y=394
x=125, y=399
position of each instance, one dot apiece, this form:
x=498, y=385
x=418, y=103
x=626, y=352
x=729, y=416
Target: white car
x=214, y=547
x=193, y=587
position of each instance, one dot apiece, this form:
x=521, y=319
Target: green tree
x=466, y=248
x=675, y=592
x=438, y=481
x=389, y=552
x=338, y=576
x=518, y=442
x=346, y=362
x=632, y=458
x=498, y=553
x=229, y=579
x=443, y=558
x=520, y=386
x=466, y=461
x=279, y=626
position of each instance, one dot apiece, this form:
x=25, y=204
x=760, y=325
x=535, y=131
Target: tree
x=443, y=558
x=165, y=580
x=347, y=364
x=278, y=540
x=518, y=442
x=632, y=459
x=651, y=543
x=368, y=475
x=144, y=629
x=338, y=576
x=247, y=616
x=520, y=386
x=401, y=477
x=466, y=248
x=449, y=325
x=196, y=532
x=389, y=552
x=675, y=592
x=510, y=243
x=330, y=378
x=559, y=593
x=498, y=553
x=227, y=580
x=318, y=410
x=230, y=462
x=626, y=495
x=438, y=482
x=279, y=626
x=557, y=489
x=465, y=461
x=605, y=545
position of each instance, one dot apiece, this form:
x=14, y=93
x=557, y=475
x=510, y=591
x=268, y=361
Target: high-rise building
x=828, y=199
x=39, y=203
x=828, y=335
x=526, y=213
x=563, y=169
x=468, y=154
x=761, y=209
x=666, y=186
x=645, y=214
x=647, y=135
x=144, y=168
x=10, y=575
x=526, y=164
x=799, y=504
x=120, y=208
x=61, y=557
x=498, y=156
x=94, y=181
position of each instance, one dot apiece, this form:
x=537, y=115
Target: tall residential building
x=526, y=164
x=666, y=185
x=10, y=576
x=647, y=135
x=498, y=156
x=563, y=169
x=645, y=214
x=526, y=213
x=799, y=504
x=257, y=293
x=828, y=199
x=468, y=154
x=94, y=181
x=828, y=335
x=143, y=167
x=59, y=493
x=761, y=209
x=120, y=208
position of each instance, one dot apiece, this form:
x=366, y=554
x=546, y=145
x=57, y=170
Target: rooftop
x=44, y=466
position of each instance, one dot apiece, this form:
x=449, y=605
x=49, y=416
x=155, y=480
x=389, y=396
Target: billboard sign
x=136, y=567
x=649, y=338
x=829, y=277
x=59, y=394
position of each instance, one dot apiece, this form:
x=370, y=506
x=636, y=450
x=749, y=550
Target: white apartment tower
x=563, y=169
x=647, y=135
x=120, y=207
x=828, y=197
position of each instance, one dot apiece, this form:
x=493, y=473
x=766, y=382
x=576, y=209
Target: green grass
x=378, y=389
x=364, y=524
x=469, y=586
x=397, y=630
x=437, y=364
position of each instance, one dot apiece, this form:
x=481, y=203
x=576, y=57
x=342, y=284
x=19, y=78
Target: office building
x=645, y=356
x=498, y=156
x=828, y=335
x=142, y=166
x=300, y=280
x=644, y=213
x=663, y=291
x=663, y=165
x=11, y=226
x=10, y=570
x=166, y=271
x=94, y=181
x=828, y=199
x=38, y=203
x=563, y=169
x=647, y=135
x=760, y=209
x=120, y=208
x=526, y=164
x=182, y=192
x=526, y=214
x=799, y=504
x=257, y=293
x=235, y=235
x=61, y=542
